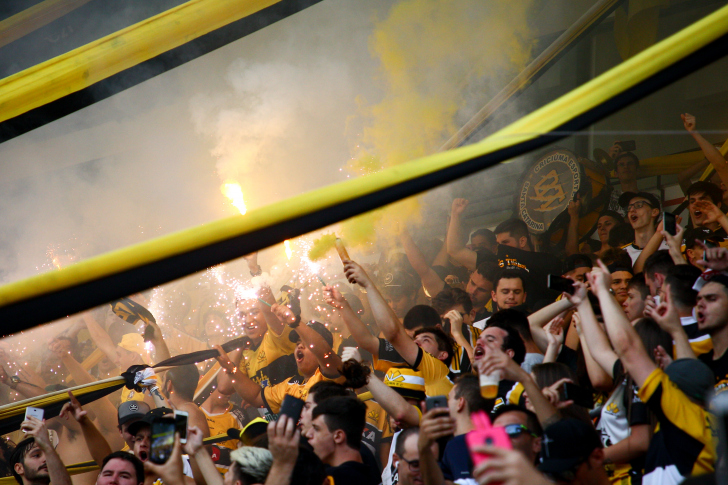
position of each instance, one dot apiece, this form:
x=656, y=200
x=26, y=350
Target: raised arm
x=599, y=378
x=456, y=329
x=625, y=340
x=100, y=337
x=456, y=239
x=357, y=328
x=246, y=388
x=200, y=458
x=37, y=430
x=95, y=442
x=666, y=316
x=496, y=360
x=329, y=361
x=274, y=323
x=430, y=280
x=597, y=342
x=160, y=346
x=538, y=320
x=650, y=248
x=572, y=231
x=385, y=317
x=714, y=156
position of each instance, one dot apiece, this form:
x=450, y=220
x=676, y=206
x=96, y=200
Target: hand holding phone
x=485, y=434
x=669, y=223
x=162, y=442
x=560, y=284
x=180, y=419
x=436, y=402
x=292, y=407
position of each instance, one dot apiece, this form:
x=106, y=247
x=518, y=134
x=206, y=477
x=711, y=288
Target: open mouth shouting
x=479, y=352
x=299, y=355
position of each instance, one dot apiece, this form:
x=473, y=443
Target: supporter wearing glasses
x=523, y=429
x=643, y=210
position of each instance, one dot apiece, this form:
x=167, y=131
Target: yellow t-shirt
x=220, y=423
x=269, y=363
x=295, y=386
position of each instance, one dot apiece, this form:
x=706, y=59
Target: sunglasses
x=515, y=430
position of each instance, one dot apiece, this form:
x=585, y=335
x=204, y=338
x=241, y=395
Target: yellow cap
x=133, y=342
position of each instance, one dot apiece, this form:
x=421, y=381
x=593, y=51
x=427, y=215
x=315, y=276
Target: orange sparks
x=289, y=251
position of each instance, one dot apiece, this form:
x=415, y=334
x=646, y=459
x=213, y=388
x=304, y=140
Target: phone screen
x=162, y=440
x=669, y=223
x=561, y=284
x=180, y=419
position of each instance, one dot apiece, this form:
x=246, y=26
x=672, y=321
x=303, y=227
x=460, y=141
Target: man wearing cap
x=400, y=290
x=315, y=360
x=643, y=211
x=683, y=444
x=142, y=432
x=571, y=452
x=130, y=412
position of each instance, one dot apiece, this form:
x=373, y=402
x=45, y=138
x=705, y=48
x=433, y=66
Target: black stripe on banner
x=44, y=308
x=128, y=78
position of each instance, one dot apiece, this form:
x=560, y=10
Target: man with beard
x=34, y=461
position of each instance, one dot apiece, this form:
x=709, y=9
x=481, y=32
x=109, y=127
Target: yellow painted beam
x=592, y=94
x=82, y=67
x=35, y=17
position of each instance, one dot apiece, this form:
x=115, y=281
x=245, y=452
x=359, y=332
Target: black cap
x=132, y=410
x=701, y=234
x=710, y=189
x=320, y=329
x=567, y=443
x=576, y=261
x=627, y=196
x=693, y=377
x=399, y=282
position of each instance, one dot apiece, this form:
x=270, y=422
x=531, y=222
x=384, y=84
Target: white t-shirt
x=634, y=252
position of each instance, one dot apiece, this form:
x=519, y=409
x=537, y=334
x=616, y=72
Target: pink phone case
x=485, y=433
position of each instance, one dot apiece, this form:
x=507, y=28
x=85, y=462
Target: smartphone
x=581, y=397
x=180, y=420
x=669, y=223
x=627, y=145
x=37, y=413
x=435, y=402
x=485, y=434
x=560, y=284
x=162, y=439
x=708, y=244
x=292, y=407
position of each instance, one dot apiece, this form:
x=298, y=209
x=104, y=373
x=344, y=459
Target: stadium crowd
x=477, y=365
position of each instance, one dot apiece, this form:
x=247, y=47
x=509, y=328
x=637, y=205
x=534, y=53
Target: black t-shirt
x=353, y=473
x=456, y=462
x=537, y=265
x=719, y=368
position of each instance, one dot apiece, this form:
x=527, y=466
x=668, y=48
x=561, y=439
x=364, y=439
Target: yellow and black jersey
x=461, y=360
x=700, y=342
x=433, y=371
x=272, y=361
x=720, y=369
x=683, y=444
x=509, y=392
x=295, y=386
x=219, y=423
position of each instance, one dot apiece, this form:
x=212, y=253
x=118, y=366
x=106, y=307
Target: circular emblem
x=133, y=407
x=547, y=188
x=388, y=278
